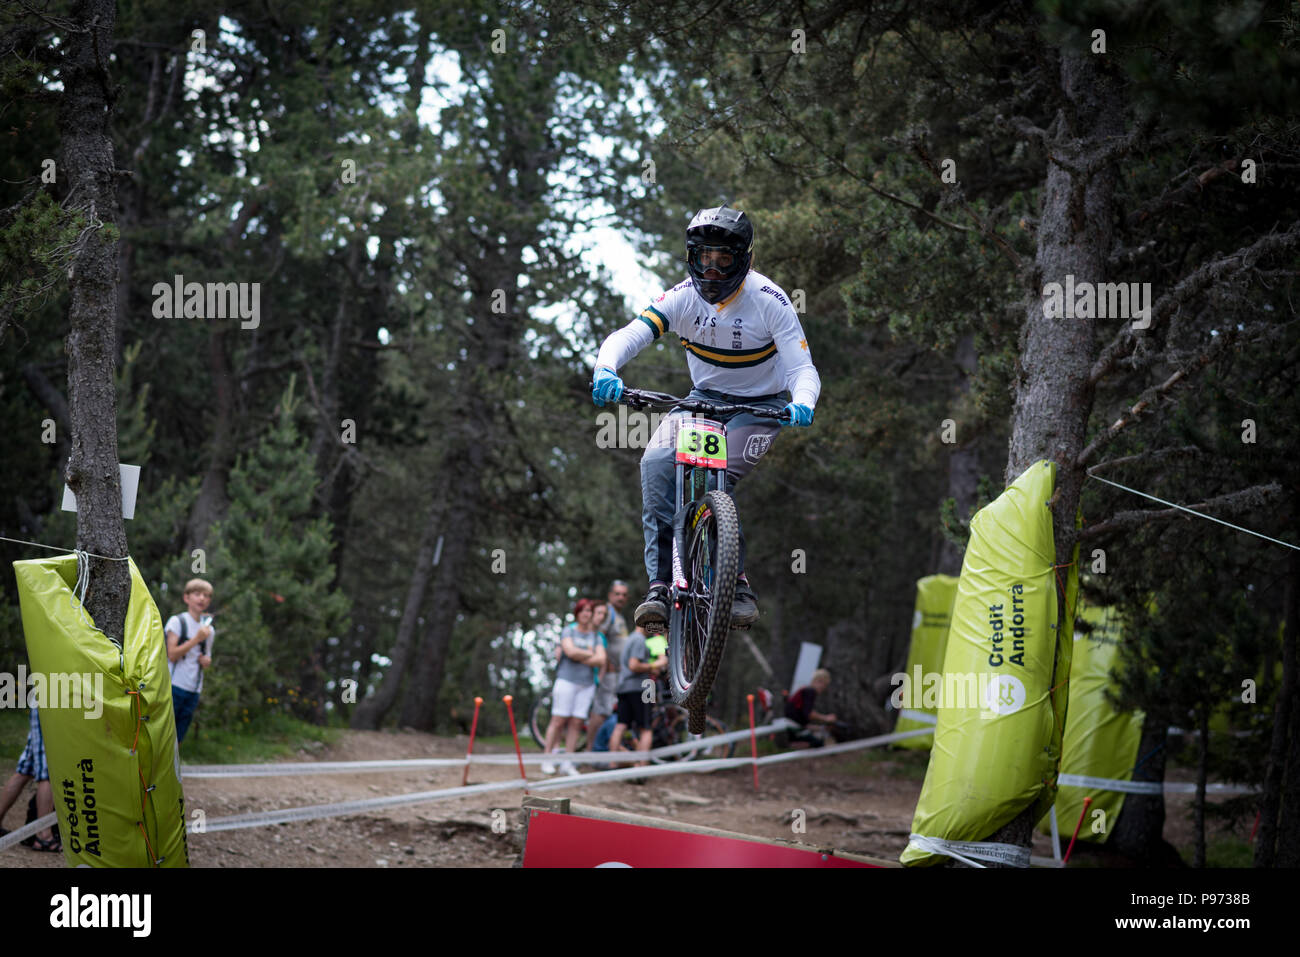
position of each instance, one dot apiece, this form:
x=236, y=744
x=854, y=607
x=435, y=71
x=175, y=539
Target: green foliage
x=13, y=648
x=266, y=738
x=1223, y=852
x=135, y=429
x=38, y=242
x=270, y=568
x=14, y=725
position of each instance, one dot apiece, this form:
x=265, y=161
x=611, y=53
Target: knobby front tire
x=698, y=629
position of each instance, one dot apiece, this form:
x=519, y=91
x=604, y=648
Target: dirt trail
x=849, y=802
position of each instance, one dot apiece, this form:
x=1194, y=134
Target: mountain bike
x=706, y=545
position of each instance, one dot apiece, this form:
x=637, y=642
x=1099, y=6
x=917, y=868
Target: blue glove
x=606, y=387
x=799, y=414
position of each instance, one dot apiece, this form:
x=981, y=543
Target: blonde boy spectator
x=189, y=652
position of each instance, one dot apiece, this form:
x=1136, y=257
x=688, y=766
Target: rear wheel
x=701, y=616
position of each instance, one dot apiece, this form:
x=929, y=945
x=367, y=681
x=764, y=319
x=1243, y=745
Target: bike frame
x=693, y=482
x=696, y=627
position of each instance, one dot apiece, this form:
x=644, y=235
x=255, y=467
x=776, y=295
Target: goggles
x=721, y=258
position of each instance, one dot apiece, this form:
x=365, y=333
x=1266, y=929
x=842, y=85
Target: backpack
x=185, y=636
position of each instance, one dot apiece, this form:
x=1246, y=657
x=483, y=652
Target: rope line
x=55, y=548
x=1184, y=508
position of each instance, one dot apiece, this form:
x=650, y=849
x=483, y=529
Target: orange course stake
x=515, y=734
x=478, y=702
x=1078, y=824
x=753, y=741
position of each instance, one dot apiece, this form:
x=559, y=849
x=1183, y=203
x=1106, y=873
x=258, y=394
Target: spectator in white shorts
x=581, y=651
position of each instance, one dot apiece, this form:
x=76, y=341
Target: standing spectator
x=31, y=764
x=633, y=706
x=599, y=624
x=581, y=655
x=615, y=629
x=616, y=599
x=189, y=652
x=799, y=709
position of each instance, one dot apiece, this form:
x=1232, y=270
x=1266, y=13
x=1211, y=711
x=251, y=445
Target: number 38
x=710, y=442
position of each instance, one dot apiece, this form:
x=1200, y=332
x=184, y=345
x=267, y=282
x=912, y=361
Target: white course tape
x=508, y=758
x=1187, y=787
x=838, y=748
x=648, y=771
x=1109, y=784
x=1146, y=787
x=317, y=767
x=921, y=716
x=313, y=811
x=971, y=852
x=27, y=830
x=260, y=818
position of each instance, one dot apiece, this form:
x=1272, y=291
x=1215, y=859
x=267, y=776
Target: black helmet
x=719, y=240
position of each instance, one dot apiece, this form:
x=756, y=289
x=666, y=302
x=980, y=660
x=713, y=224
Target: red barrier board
x=567, y=840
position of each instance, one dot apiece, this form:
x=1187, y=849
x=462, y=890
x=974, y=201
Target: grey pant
x=748, y=437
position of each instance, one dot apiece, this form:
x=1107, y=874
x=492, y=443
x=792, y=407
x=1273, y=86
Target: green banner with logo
x=1100, y=742
x=111, y=746
x=997, y=742
x=916, y=694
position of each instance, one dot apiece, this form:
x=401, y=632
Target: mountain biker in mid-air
x=744, y=344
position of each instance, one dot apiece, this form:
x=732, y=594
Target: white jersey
x=750, y=344
x=187, y=674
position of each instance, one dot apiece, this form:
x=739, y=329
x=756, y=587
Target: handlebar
x=642, y=398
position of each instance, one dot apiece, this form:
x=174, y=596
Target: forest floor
x=861, y=802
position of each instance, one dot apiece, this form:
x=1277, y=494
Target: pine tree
x=269, y=564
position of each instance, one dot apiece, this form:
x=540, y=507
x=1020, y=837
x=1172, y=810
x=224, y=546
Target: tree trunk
x=963, y=464
x=466, y=457
x=1202, y=775
x=1138, y=834
x=372, y=709
x=1288, y=825
x=87, y=162
x=325, y=447
x=1053, y=396
x=214, y=500
x=1283, y=717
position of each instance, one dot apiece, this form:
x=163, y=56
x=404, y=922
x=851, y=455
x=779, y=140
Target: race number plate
x=703, y=443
